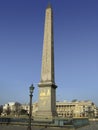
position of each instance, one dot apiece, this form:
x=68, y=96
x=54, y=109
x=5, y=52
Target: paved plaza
x=25, y=128
x=92, y=126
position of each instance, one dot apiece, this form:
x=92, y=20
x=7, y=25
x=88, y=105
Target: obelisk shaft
x=47, y=73
x=47, y=87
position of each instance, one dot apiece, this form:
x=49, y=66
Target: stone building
x=27, y=108
x=73, y=109
x=11, y=108
x=76, y=109
x=64, y=109
x=96, y=112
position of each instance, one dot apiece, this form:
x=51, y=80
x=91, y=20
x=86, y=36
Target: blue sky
x=76, y=48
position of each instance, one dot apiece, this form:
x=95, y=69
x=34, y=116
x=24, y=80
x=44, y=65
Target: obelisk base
x=47, y=102
x=45, y=116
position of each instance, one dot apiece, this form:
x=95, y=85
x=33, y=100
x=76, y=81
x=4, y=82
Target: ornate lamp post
x=30, y=111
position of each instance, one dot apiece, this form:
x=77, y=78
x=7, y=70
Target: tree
x=8, y=110
x=74, y=100
x=23, y=112
x=1, y=109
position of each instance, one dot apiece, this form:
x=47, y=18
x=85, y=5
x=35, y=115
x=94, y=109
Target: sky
x=75, y=46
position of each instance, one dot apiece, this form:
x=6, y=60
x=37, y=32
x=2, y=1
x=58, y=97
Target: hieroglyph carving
x=45, y=92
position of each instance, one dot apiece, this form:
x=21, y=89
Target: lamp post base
x=29, y=128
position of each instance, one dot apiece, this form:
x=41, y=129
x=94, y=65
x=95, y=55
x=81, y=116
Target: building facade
x=11, y=108
x=73, y=109
x=64, y=109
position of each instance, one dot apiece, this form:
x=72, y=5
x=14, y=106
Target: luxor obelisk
x=47, y=87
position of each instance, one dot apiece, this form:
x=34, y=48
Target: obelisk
x=47, y=87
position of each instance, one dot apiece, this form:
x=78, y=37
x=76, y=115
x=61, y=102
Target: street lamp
x=31, y=89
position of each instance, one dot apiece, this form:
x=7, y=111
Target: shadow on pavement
x=43, y=128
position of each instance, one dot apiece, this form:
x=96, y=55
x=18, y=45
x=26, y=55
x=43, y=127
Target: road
x=9, y=127
x=92, y=126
